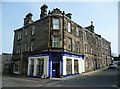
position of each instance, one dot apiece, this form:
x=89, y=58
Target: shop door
x=56, y=69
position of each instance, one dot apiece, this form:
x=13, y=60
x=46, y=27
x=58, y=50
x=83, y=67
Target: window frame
x=33, y=30
x=69, y=43
x=56, y=42
x=32, y=45
x=40, y=66
x=77, y=32
x=56, y=23
x=69, y=27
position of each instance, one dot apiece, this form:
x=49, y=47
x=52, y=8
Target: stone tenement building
x=56, y=46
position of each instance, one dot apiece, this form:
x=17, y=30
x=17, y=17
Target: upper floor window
x=69, y=43
x=32, y=45
x=56, y=23
x=26, y=32
x=33, y=30
x=86, y=48
x=78, y=47
x=91, y=49
x=18, y=50
x=25, y=46
x=56, y=41
x=77, y=31
x=69, y=27
x=19, y=35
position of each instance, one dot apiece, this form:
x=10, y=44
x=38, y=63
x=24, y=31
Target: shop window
x=75, y=66
x=31, y=66
x=69, y=66
x=56, y=23
x=56, y=41
x=40, y=66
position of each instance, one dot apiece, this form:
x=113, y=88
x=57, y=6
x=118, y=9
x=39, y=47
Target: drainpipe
x=63, y=14
x=63, y=30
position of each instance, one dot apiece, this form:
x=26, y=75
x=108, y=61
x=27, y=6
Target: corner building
x=52, y=46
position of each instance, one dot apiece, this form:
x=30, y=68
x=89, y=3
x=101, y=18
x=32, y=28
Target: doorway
x=56, y=69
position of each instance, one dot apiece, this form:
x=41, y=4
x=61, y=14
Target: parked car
x=112, y=66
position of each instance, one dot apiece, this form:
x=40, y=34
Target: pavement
x=100, y=77
x=78, y=75
x=64, y=78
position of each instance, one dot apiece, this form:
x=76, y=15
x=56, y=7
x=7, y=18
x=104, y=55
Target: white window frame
x=56, y=23
x=40, y=65
x=69, y=27
x=56, y=43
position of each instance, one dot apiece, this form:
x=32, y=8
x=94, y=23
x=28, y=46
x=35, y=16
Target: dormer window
x=56, y=23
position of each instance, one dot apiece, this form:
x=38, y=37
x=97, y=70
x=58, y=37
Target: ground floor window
x=31, y=66
x=75, y=66
x=40, y=66
x=69, y=66
x=16, y=66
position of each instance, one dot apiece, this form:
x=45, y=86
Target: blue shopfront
x=55, y=64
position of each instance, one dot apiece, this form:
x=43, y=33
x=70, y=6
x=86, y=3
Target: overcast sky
x=103, y=14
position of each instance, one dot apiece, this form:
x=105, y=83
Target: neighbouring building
x=0, y=64
x=6, y=63
x=56, y=46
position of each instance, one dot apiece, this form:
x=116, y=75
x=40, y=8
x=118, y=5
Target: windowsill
x=32, y=34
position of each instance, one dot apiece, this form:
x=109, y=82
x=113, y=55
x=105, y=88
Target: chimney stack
x=28, y=19
x=43, y=11
x=68, y=15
